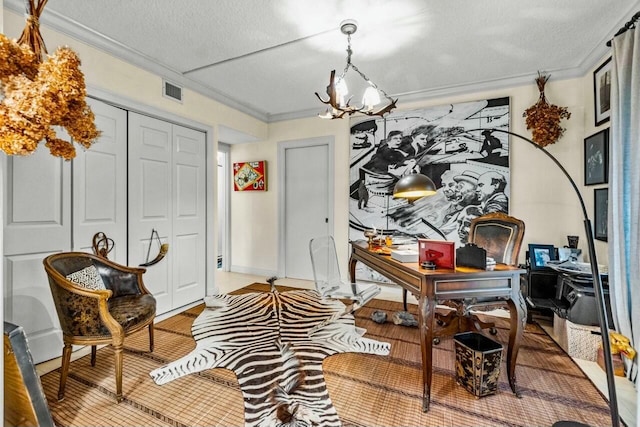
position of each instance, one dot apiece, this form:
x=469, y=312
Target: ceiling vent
x=172, y=91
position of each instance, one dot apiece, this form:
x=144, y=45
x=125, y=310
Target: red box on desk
x=441, y=252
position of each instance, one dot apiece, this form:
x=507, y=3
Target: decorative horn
x=164, y=248
x=102, y=245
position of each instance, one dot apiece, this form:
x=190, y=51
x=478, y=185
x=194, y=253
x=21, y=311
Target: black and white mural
x=452, y=144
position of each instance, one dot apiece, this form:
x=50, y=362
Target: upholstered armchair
x=98, y=302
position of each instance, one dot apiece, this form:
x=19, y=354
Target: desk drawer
x=480, y=287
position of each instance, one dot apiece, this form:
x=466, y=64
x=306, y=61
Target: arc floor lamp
x=414, y=186
x=597, y=282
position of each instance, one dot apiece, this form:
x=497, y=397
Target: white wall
x=540, y=195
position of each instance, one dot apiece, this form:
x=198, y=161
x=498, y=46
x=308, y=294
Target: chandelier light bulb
x=371, y=98
x=341, y=91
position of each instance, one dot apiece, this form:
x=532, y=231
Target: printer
x=576, y=299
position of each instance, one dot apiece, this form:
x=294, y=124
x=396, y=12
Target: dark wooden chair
x=501, y=236
x=120, y=306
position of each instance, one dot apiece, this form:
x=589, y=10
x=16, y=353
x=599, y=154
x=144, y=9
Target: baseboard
x=253, y=271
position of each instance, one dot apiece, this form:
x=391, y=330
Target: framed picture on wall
x=539, y=255
x=601, y=205
x=250, y=176
x=596, y=158
x=602, y=92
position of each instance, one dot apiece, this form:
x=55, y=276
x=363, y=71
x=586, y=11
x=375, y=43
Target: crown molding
x=79, y=32
x=99, y=41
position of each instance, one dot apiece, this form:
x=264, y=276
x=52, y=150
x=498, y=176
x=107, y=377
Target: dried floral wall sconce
x=543, y=119
x=39, y=91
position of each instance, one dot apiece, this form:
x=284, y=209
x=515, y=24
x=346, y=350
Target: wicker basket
x=583, y=341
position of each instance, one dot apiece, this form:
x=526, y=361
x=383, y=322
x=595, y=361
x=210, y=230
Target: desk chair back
x=324, y=260
x=326, y=274
x=499, y=234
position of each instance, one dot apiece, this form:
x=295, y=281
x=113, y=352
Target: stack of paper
x=407, y=255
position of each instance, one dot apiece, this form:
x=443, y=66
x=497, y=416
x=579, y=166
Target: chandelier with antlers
x=338, y=102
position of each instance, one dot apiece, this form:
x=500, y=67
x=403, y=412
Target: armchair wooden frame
x=84, y=314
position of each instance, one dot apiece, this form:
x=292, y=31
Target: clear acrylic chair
x=326, y=273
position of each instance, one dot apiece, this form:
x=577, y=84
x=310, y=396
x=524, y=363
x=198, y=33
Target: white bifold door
x=167, y=194
x=37, y=214
x=100, y=184
x=52, y=205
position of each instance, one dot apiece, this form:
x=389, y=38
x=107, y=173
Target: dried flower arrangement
x=38, y=95
x=543, y=118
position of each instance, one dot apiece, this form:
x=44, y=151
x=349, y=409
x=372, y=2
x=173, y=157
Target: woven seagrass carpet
x=366, y=389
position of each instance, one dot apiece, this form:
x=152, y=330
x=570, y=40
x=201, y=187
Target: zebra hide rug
x=275, y=343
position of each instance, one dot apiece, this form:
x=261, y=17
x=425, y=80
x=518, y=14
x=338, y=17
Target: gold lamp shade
x=414, y=186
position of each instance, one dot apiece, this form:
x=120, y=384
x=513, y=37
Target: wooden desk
x=430, y=286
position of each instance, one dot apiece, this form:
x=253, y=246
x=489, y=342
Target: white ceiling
x=268, y=57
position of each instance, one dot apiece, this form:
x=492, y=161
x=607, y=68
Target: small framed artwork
x=601, y=205
x=539, y=255
x=596, y=158
x=602, y=92
x=250, y=176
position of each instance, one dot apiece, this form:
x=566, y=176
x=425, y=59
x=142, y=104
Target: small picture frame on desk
x=441, y=253
x=600, y=218
x=539, y=255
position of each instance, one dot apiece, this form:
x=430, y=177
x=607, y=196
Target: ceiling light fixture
x=338, y=91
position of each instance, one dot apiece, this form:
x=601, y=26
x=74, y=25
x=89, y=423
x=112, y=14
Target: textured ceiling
x=268, y=57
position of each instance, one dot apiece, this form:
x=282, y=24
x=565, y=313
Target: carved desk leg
x=352, y=269
x=518, y=317
x=425, y=323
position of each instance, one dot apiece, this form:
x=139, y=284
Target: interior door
x=100, y=184
x=37, y=223
x=150, y=205
x=223, y=186
x=308, y=211
x=189, y=222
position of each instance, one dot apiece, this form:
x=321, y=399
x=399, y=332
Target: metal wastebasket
x=478, y=361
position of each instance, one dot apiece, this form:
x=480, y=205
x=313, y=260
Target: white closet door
x=189, y=196
x=100, y=184
x=37, y=223
x=150, y=207
x=167, y=179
